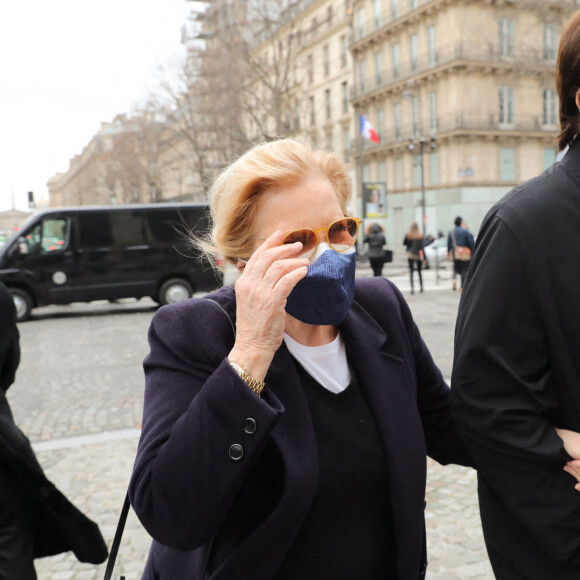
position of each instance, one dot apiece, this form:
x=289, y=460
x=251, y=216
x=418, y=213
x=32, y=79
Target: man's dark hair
x=568, y=81
x=458, y=221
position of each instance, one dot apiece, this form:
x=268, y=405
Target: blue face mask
x=325, y=295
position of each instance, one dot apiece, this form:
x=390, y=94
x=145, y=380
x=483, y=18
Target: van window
x=170, y=227
x=110, y=229
x=49, y=235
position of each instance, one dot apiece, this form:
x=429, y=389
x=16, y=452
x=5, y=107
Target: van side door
x=113, y=255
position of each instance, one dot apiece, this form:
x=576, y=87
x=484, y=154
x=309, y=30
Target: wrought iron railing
x=447, y=55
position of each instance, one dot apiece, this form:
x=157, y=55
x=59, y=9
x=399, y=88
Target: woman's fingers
x=286, y=283
x=573, y=468
x=272, y=241
x=280, y=269
x=269, y=252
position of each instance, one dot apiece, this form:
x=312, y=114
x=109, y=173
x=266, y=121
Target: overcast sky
x=67, y=65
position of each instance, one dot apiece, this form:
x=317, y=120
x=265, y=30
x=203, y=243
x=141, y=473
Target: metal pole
x=423, y=210
x=359, y=171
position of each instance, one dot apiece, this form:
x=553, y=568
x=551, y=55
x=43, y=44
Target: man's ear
x=578, y=99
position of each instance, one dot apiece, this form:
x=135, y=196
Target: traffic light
x=433, y=143
x=31, y=199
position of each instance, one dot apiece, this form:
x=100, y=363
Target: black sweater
x=348, y=532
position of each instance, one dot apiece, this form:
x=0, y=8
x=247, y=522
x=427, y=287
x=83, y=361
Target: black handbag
x=387, y=256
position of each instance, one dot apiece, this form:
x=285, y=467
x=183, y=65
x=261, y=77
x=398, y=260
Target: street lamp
x=422, y=144
x=420, y=160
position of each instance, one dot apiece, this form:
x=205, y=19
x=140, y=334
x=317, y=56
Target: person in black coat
x=375, y=238
x=516, y=377
x=36, y=519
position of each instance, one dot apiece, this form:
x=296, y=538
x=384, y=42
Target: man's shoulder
x=533, y=197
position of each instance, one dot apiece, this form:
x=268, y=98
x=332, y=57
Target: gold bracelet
x=254, y=384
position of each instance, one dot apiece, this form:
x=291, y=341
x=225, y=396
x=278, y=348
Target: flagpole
x=359, y=164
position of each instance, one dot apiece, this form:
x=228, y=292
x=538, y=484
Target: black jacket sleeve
x=9, y=339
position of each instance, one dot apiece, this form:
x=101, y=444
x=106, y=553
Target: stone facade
x=478, y=78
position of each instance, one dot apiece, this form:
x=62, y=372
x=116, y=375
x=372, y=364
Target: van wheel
x=175, y=290
x=23, y=303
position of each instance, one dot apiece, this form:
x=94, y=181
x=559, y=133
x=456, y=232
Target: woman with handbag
x=460, y=246
x=376, y=240
x=414, y=243
x=287, y=419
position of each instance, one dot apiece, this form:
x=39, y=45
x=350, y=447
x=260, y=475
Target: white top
x=326, y=364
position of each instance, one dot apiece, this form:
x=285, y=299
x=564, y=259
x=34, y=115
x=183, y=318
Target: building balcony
x=476, y=123
x=455, y=55
x=391, y=19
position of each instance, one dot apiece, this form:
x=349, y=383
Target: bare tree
x=241, y=64
x=269, y=58
x=205, y=114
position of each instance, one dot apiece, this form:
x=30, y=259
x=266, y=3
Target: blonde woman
x=286, y=423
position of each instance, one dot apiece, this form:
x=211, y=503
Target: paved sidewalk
x=79, y=393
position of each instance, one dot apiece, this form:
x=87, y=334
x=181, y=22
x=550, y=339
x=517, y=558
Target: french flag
x=367, y=130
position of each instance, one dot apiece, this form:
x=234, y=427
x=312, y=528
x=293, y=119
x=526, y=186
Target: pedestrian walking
x=36, y=519
x=280, y=411
x=376, y=241
x=516, y=393
x=460, y=246
x=414, y=243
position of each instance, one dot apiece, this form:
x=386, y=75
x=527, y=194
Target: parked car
x=436, y=250
x=83, y=254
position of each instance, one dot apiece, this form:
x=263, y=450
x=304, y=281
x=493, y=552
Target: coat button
x=236, y=451
x=250, y=426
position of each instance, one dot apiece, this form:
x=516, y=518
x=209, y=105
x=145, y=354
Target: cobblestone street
x=78, y=396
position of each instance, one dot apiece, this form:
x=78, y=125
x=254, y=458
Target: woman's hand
x=573, y=468
x=571, y=441
x=261, y=292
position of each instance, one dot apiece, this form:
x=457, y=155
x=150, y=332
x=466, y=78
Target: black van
x=82, y=254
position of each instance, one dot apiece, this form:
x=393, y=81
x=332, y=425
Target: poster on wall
x=375, y=199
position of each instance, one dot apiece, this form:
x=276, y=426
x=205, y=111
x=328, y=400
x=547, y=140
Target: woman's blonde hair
x=235, y=194
x=414, y=233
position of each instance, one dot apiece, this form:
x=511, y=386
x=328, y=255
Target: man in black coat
x=516, y=376
x=35, y=518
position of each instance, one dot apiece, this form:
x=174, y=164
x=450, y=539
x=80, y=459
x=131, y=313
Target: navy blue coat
x=215, y=517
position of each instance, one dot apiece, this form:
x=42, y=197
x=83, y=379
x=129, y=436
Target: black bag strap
x=453, y=238
x=117, y=540
x=126, y=505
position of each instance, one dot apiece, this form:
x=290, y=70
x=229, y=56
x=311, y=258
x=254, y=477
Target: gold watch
x=254, y=384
